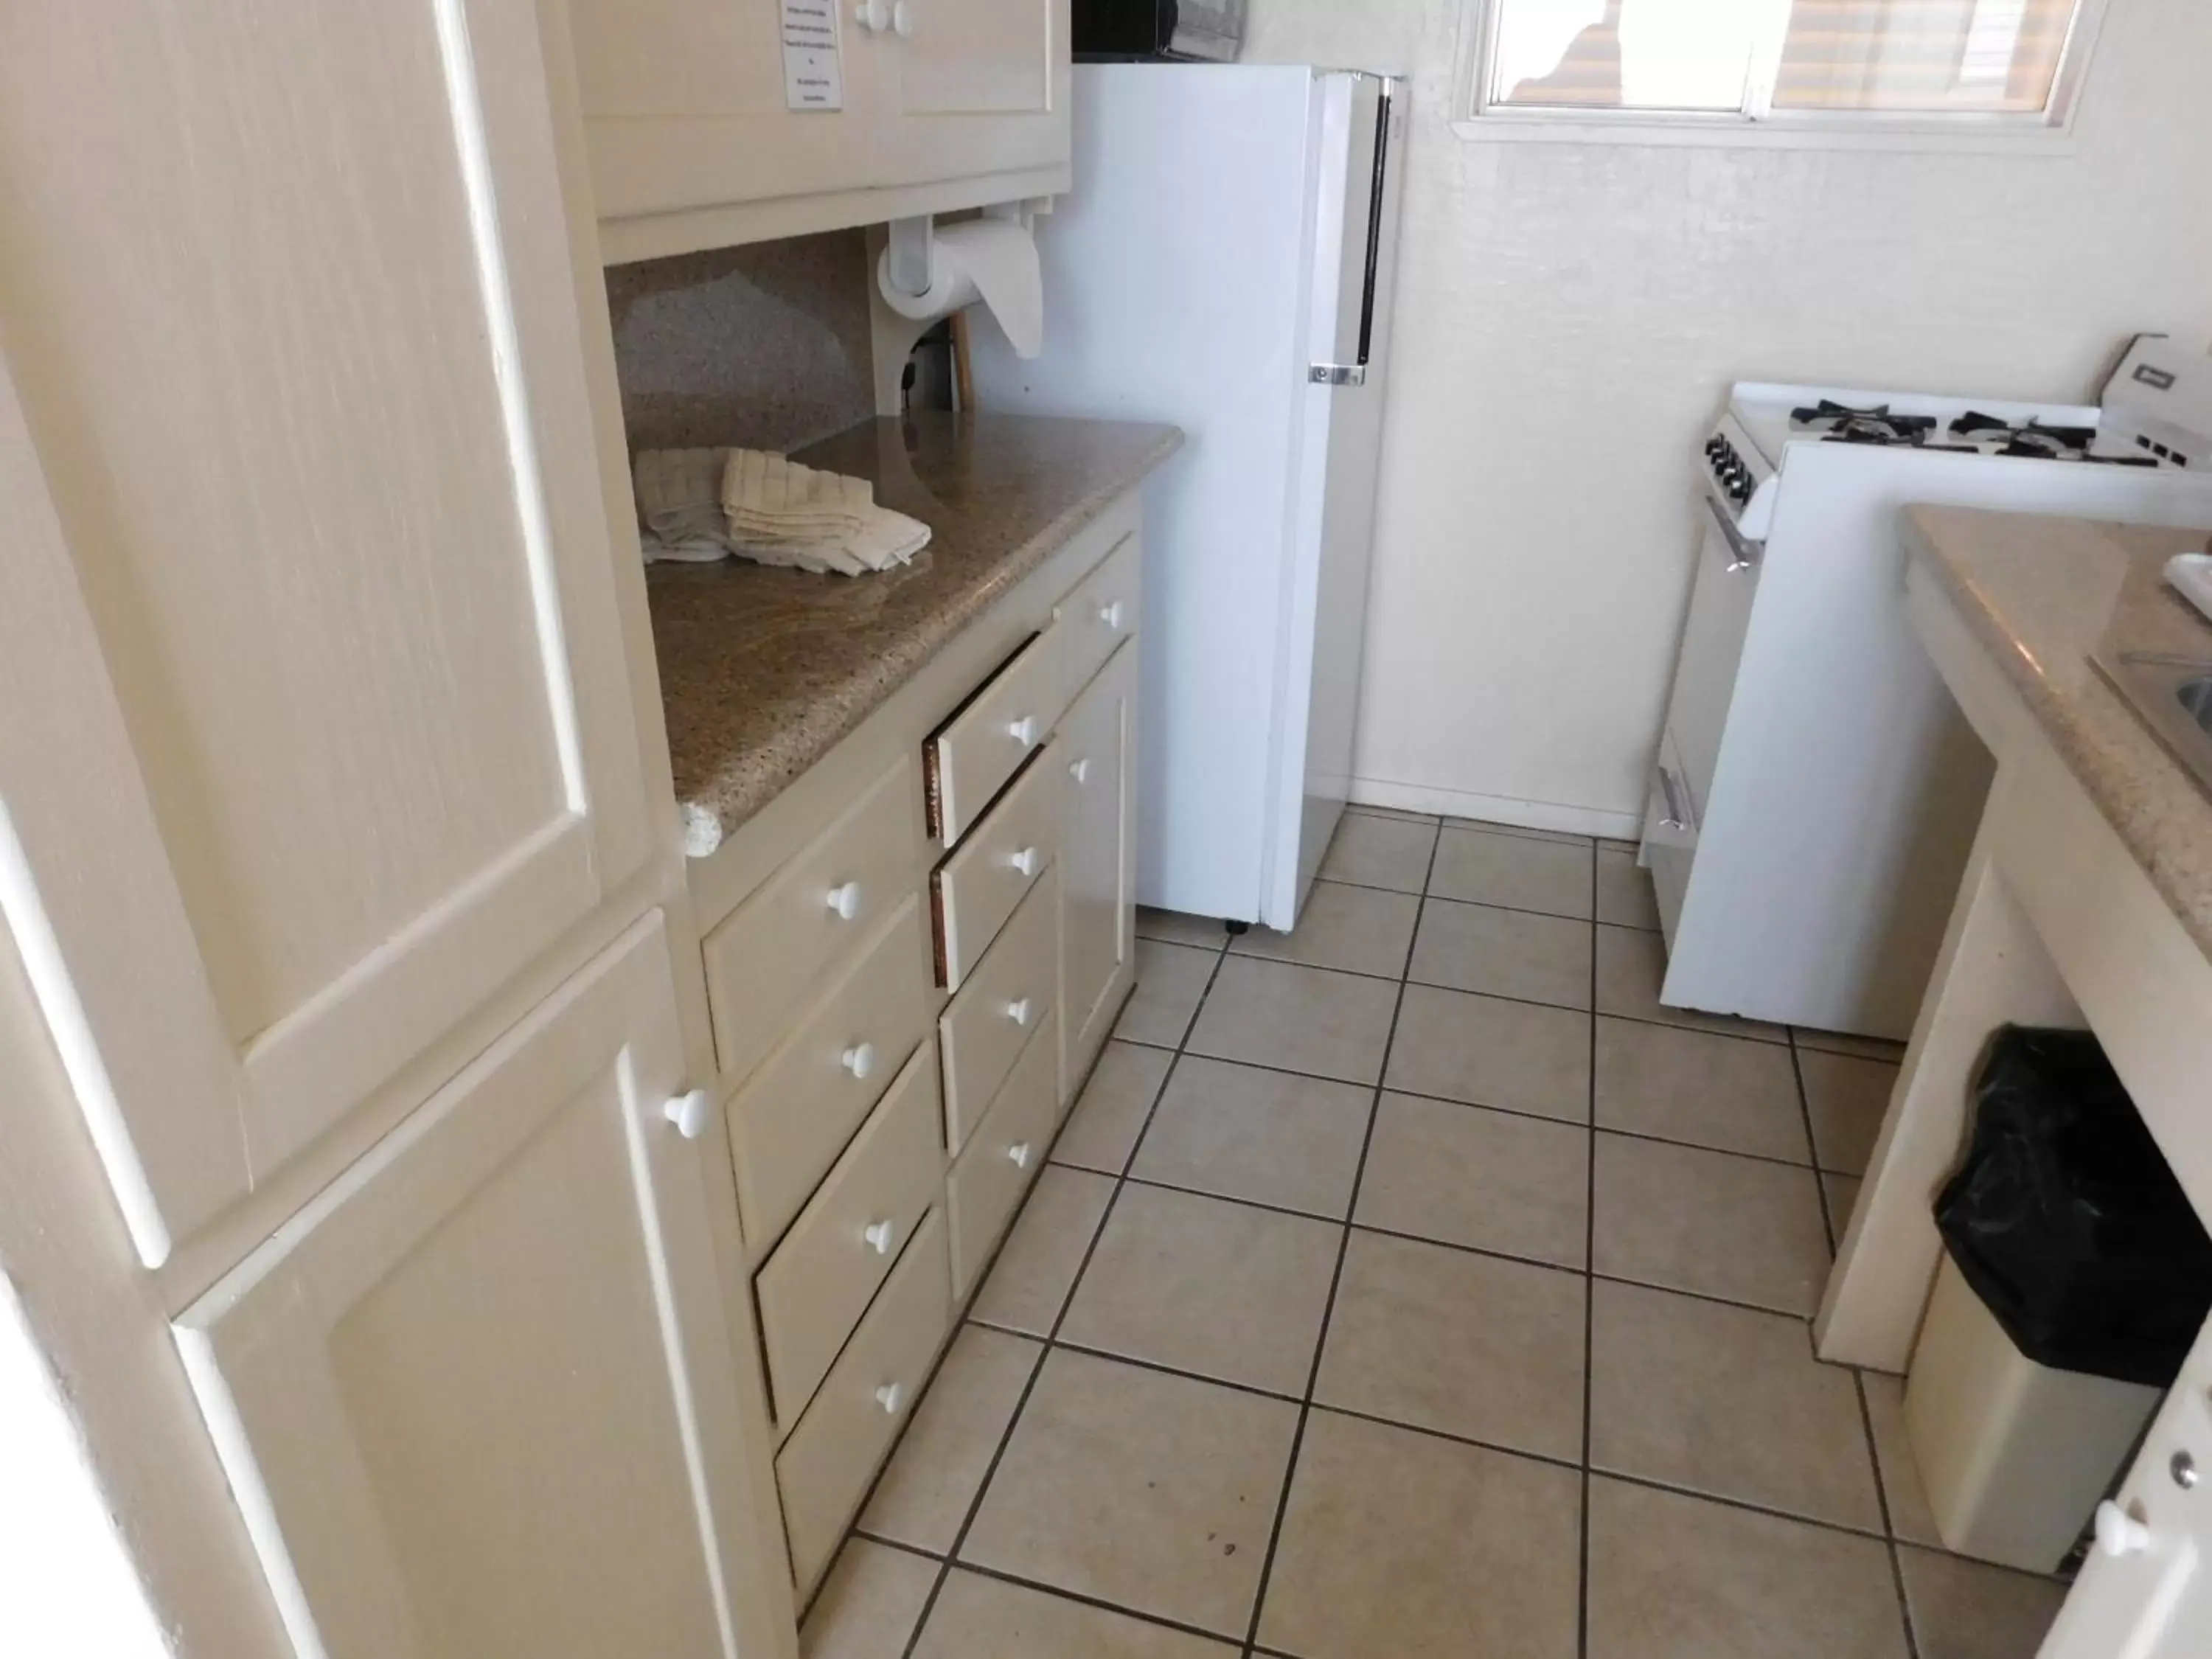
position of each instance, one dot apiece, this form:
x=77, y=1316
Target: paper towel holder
x=901, y=254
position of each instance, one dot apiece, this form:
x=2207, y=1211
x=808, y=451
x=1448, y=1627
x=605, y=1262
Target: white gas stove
x=1816, y=792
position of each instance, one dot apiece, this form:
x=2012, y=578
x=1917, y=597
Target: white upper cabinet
x=323, y=732
x=713, y=122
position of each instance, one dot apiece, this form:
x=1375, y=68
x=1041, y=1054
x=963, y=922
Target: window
x=1987, y=63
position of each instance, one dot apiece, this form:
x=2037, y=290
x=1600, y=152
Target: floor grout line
x=1589, y=1297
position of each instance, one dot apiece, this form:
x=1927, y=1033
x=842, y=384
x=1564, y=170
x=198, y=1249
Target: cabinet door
x=480, y=1397
x=1098, y=860
x=971, y=87
x=687, y=103
x=310, y=585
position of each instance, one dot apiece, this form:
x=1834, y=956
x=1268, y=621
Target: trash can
x=2075, y=1277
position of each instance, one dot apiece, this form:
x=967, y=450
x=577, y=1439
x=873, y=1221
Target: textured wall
x=764, y=346
x=1569, y=315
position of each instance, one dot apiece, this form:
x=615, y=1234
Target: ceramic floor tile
x=1301, y=1019
x=1102, y=1129
x=1151, y=1492
x=1836, y=1042
x=1372, y=852
x=1361, y=930
x=1726, y=1401
x=1965, y=1610
x=1245, y=1132
x=1632, y=966
x=1705, y=1091
x=1564, y=837
x=980, y=1618
x=1518, y=1056
x=949, y=1443
x=1029, y=1282
x=1393, y=812
x=1676, y=1577
x=1169, y=927
x=1171, y=981
x=1625, y=897
x=1470, y=1345
x=1402, y=1544
x=1202, y=1284
x=1517, y=1185
x=1485, y=868
x=1909, y=1518
x=1847, y=1098
x=1709, y=1223
x=1843, y=1198
x=1504, y=953
x=869, y=1605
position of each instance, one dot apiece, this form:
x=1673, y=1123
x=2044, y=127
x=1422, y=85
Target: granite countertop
x=2043, y=593
x=764, y=670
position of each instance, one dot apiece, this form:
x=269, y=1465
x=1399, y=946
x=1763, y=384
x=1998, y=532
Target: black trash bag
x=2066, y=1220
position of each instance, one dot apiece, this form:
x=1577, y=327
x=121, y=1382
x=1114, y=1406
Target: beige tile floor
x=1417, y=1285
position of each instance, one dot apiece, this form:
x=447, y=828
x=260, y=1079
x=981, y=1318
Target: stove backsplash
x=764, y=347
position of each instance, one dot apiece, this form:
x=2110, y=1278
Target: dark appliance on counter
x=1122, y=31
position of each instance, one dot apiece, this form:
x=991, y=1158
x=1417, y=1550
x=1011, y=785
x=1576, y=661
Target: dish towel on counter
x=700, y=504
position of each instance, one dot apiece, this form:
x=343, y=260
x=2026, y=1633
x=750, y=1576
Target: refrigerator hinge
x=1338, y=374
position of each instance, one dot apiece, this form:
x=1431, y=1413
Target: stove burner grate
x=1840, y=423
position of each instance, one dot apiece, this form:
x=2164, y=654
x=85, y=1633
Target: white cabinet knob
x=1080, y=771
x=1025, y=861
x=873, y=15
x=2119, y=1532
x=859, y=1059
x=845, y=900
x=1019, y=1011
x=1019, y=1154
x=881, y=1236
x=689, y=1114
x=1111, y=614
x=1024, y=731
x=902, y=20
x=891, y=1397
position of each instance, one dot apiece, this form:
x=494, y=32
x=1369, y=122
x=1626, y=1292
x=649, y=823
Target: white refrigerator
x=1225, y=262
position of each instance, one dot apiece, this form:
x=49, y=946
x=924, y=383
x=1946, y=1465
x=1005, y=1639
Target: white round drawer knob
x=688, y=1113
x=1080, y=771
x=891, y=1397
x=859, y=1059
x=1019, y=1154
x=1024, y=731
x=845, y=901
x=902, y=20
x=2119, y=1532
x=1111, y=614
x=881, y=1236
x=873, y=15
x=1019, y=1011
x=1025, y=861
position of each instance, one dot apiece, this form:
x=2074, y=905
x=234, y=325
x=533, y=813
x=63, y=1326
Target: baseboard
x=1496, y=809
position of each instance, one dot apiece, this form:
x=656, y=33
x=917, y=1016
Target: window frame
x=1756, y=124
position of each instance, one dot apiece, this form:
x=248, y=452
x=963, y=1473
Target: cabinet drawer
x=825, y=1468
x=821, y=906
x=973, y=892
x=971, y=757
x=1003, y=1156
x=788, y=1125
x=1093, y=621
x=1003, y=1004
x=817, y=1284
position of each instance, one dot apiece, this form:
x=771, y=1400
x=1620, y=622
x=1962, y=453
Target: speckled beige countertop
x=2043, y=593
x=763, y=670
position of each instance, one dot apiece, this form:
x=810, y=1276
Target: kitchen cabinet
x=1098, y=862
x=480, y=1397
x=695, y=141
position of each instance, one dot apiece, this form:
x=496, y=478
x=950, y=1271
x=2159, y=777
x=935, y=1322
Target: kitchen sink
x=2172, y=696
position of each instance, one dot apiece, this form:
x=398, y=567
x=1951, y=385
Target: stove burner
x=2035, y=440
x=1839, y=424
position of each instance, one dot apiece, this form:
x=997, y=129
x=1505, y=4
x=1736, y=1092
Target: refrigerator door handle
x=1355, y=373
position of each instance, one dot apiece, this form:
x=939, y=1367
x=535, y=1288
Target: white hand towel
x=679, y=493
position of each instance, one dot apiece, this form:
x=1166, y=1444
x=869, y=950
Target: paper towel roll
x=993, y=260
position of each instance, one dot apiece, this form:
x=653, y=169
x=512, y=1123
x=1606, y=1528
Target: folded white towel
x=700, y=504
x=679, y=493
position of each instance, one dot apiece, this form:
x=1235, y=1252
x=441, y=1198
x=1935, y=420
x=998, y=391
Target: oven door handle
x=1743, y=552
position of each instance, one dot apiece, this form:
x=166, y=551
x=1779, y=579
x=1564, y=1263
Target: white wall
x=1569, y=315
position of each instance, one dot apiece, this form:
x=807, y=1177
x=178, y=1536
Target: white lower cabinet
x=1097, y=862
x=479, y=1398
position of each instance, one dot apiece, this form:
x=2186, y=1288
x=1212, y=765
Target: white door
x=320, y=731
x=2146, y=1593
x=479, y=1398
x=693, y=103
x=1098, y=860
x=970, y=87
